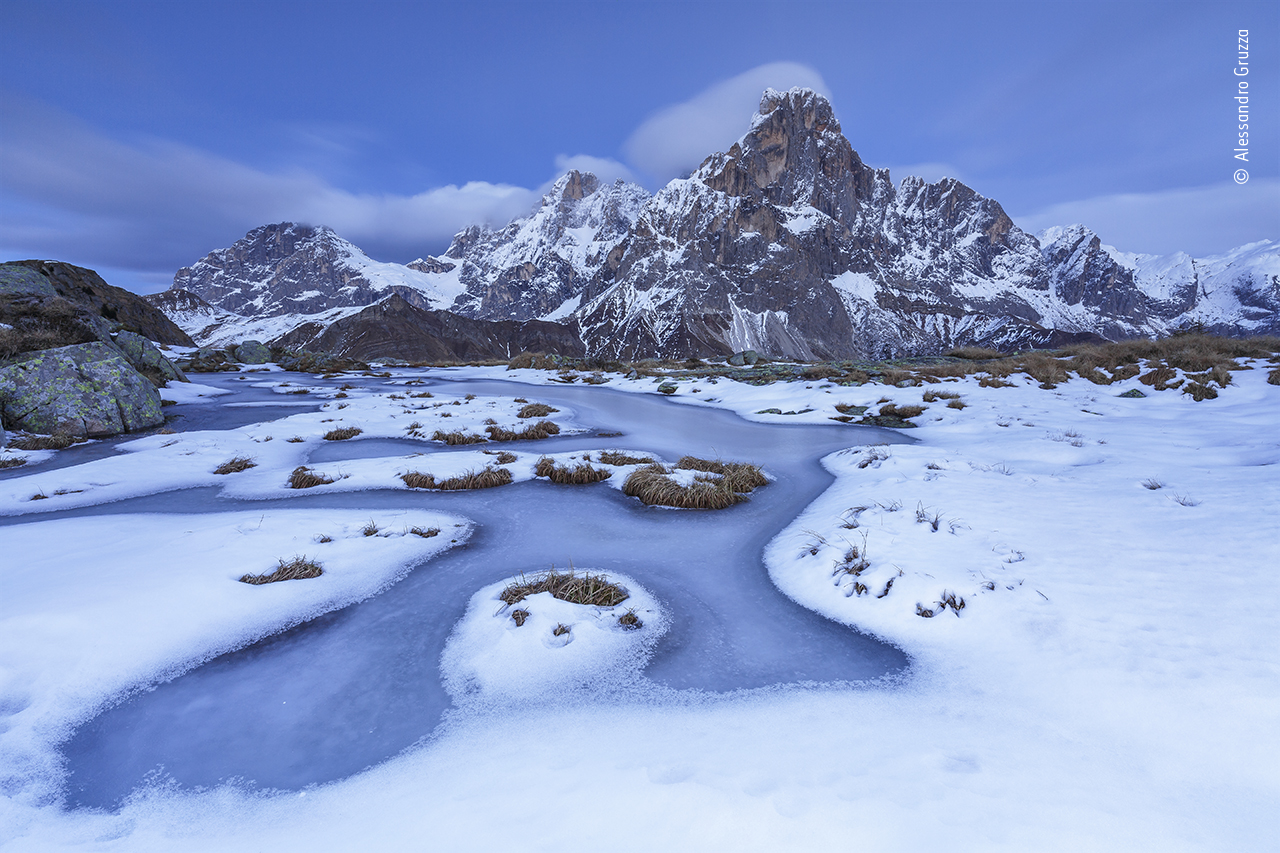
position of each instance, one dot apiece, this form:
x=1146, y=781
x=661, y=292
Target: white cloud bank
x=1197, y=220
x=673, y=141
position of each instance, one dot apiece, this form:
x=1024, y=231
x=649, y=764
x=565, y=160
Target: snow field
x=1123, y=695
x=492, y=661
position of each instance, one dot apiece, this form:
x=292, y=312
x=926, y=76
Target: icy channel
x=352, y=688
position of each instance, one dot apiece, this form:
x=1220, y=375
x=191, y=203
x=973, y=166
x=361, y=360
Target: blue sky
x=136, y=137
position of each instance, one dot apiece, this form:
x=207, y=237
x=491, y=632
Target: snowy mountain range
x=786, y=243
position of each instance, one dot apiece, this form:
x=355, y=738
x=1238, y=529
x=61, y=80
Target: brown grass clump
x=231, y=466
x=519, y=617
x=975, y=354
x=1273, y=378
x=485, y=478
x=57, y=441
x=425, y=532
x=579, y=475
x=304, y=478
x=892, y=410
x=652, y=485
x=537, y=361
x=740, y=476
x=820, y=371
x=993, y=382
x=535, y=410
x=630, y=621
x=457, y=437
x=560, y=630
x=299, y=568
x=502, y=457
x=613, y=457
x=533, y=432
x=342, y=433
x=11, y=462
x=418, y=480
x=932, y=395
x=589, y=589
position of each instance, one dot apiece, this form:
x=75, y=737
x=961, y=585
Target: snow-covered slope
x=290, y=269
x=537, y=266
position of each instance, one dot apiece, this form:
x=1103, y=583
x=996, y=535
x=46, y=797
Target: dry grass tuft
x=485, y=478
x=239, y=463
x=589, y=589
x=342, y=433
x=537, y=361
x=579, y=475
x=304, y=478
x=975, y=354
x=535, y=410
x=299, y=568
x=560, y=630
x=740, y=476
x=1152, y=484
x=502, y=457
x=519, y=616
x=533, y=432
x=371, y=529
x=425, y=532
x=931, y=395
x=613, y=457
x=57, y=441
x=457, y=437
x=652, y=485
x=630, y=621
x=1273, y=378
x=11, y=462
x=893, y=410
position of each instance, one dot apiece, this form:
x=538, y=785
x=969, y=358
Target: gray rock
x=741, y=359
x=85, y=390
x=18, y=280
x=252, y=352
x=1132, y=392
x=146, y=359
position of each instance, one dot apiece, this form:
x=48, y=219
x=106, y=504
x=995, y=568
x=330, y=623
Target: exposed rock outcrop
x=108, y=307
x=395, y=329
x=85, y=391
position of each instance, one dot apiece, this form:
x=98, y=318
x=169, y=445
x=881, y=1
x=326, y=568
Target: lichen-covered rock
x=85, y=390
x=207, y=360
x=252, y=352
x=17, y=280
x=146, y=359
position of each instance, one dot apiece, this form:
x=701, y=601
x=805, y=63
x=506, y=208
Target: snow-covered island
x=1047, y=611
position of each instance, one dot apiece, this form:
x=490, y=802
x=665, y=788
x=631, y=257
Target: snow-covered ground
x=1112, y=681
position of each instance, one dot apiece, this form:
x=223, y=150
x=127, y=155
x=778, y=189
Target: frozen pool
x=352, y=688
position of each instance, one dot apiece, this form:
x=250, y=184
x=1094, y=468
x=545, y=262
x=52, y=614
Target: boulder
x=746, y=357
x=252, y=352
x=85, y=390
x=146, y=359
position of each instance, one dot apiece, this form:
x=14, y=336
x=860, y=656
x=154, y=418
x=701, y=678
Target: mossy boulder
x=146, y=359
x=85, y=390
x=252, y=352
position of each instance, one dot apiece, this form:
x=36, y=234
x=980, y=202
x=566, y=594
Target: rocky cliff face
x=787, y=243
x=539, y=265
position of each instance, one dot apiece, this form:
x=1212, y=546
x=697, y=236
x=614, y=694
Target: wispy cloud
x=68, y=191
x=1197, y=220
x=673, y=141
